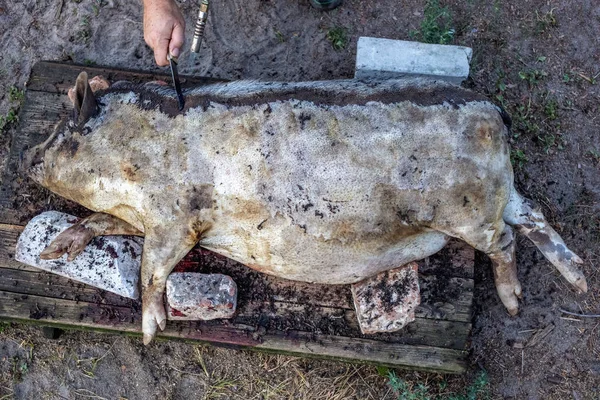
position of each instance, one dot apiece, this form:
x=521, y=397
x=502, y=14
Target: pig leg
x=498, y=242
x=529, y=221
x=163, y=248
x=505, y=270
x=74, y=239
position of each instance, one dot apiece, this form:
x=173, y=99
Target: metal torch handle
x=200, y=25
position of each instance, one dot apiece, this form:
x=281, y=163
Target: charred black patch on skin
x=407, y=216
x=432, y=94
x=543, y=241
x=421, y=96
x=200, y=197
x=307, y=206
x=303, y=117
x=69, y=146
x=260, y=226
x=130, y=171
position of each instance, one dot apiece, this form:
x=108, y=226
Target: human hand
x=164, y=29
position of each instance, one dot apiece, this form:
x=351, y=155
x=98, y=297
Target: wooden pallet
x=273, y=315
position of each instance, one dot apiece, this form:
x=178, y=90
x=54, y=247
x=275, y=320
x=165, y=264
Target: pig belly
x=288, y=252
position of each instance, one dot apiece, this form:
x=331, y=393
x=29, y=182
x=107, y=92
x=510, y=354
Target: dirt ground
x=540, y=59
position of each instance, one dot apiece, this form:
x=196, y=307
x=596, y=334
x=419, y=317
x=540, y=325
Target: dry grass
x=88, y=365
x=284, y=377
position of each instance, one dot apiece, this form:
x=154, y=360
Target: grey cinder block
x=111, y=263
x=390, y=59
x=196, y=296
x=387, y=301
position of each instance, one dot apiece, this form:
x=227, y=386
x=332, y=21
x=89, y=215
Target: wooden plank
x=50, y=285
x=441, y=297
x=73, y=314
x=40, y=113
x=336, y=321
x=440, y=333
x=125, y=319
x=446, y=298
x=456, y=259
x=54, y=77
x=8, y=244
x=319, y=314
x=367, y=351
x=12, y=228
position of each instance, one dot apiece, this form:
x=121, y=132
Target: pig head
x=328, y=182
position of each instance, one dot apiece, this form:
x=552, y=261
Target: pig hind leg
x=498, y=242
x=530, y=222
x=74, y=239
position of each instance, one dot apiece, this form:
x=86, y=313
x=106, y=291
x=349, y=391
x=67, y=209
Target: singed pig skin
x=328, y=182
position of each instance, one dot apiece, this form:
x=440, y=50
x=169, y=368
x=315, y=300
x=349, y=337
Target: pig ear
x=85, y=102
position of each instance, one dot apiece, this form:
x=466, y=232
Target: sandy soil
x=540, y=58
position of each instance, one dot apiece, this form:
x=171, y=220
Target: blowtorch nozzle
x=200, y=25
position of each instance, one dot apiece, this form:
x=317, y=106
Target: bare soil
x=539, y=58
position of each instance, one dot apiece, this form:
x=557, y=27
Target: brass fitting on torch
x=200, y=25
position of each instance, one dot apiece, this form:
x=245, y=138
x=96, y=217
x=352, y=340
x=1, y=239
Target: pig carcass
x=328, y=182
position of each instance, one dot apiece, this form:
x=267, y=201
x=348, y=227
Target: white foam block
x=110, y=263
x=391, y=59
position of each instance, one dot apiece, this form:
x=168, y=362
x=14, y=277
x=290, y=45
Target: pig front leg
x=164, y=247
x=74, y=239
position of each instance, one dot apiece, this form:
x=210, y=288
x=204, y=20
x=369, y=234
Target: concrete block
x=195, y=296
x=387, y=302
x=110, y=263
x=391, y=59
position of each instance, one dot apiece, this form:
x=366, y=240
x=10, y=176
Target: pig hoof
x=153, y=316
x=581, y=284
x=147, y=339
x=518, y=291
x=509, y=295
x=148, y=328
x=72, y=241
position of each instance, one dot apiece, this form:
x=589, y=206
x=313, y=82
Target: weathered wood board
x=273, y=314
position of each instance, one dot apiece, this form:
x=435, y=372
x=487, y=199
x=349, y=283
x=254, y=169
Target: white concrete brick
x=388, y=59
x=387, y=302
x=195, y=296
x=111, y=263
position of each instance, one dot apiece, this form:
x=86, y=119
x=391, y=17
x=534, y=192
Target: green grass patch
x=436, y=26
x=518, y=158
x=338, y=38
x=551, y=109
x=16, y=97
x=532, y=76
x=479, y=389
